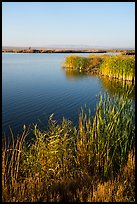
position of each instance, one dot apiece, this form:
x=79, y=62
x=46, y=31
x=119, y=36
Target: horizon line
x=69, y=46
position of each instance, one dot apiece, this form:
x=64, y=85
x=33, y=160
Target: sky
x=93, y=24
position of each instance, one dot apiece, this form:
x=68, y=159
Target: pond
x=35, y=85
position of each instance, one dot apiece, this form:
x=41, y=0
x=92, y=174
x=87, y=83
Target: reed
x=67, y=163
x=76, y=62
x=88, y=64
x=117, y=67
x=12, y=151
x=120, y=189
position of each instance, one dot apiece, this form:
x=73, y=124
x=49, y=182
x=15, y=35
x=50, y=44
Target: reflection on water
x=112, y=86
x=34, y=86
x=74, y=74
x=119, y=87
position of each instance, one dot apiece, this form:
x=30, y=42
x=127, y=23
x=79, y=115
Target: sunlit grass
x=118, y=67
x=68, y=163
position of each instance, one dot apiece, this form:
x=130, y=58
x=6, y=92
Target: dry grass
x=67, y=163
x=120, y=189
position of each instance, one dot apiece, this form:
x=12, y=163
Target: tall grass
x=118, y=66
x=88, y=64
x=120, y=189
x=77, y=62
x=67, y=163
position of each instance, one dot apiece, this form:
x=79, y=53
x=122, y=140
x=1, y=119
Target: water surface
x=35, y=85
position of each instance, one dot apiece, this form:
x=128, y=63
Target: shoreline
x=30, y=50
x=53, y=51
x=112, y=67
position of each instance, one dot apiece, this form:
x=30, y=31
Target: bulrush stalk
x=67, y=163
x=118, y=67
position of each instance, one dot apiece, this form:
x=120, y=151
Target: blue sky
x=95, y=24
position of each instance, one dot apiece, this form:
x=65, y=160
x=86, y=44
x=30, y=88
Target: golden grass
x=118, y=66
x=120, y=189
x=91, y=162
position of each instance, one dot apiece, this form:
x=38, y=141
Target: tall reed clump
x=86, y=64
x=120, y=189
x=77, y=62
x=109, y=138
x=12, y=150
x=96, y=60
x=117, y=67
x=120, y=67
x=67, y=163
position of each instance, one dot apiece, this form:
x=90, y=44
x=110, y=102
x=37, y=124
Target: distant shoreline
x=30, y=50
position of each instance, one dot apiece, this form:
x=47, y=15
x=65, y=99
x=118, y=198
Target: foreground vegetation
x=120, y=66
x=94, y=161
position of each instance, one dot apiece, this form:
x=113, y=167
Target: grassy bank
x=88, y=64
x=120, y=66
x=94, y=161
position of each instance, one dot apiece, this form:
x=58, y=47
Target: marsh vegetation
x=120, y=66
x=94, y=161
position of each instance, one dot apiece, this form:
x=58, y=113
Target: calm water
x=35, y=85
